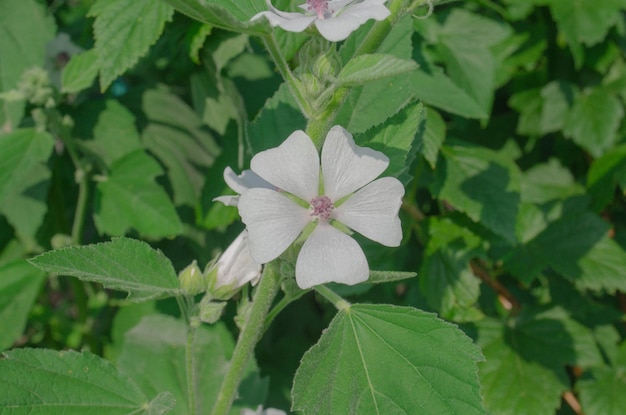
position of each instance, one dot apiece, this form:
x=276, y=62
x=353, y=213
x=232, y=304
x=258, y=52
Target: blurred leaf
x=548, y=181
x=124, y=32
x=377, y=277
x=130, y=198
x=25, y=29
x=153, y=354
x=529, y=104
x=20, y=153
x=370, y=67
x=434, y=135
x=602, y=177
x=558, y=97
x=602, y=389
x=123, y=264
x=433, y=365
x=19, y=285
x=482, y=184
x=398, y=139
x=594, y=119
x=80, y=72
x=232, y=15
x=50, y=382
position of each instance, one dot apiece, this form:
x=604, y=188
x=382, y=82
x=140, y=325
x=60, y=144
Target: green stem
x=284, y=302
x=327, y=293
x=294, y=85
x=250, y=334
x=191, y=373
x=81, y=206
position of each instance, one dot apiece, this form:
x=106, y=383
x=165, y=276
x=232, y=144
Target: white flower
x=246, y=180
x=260, y=411
x=235, y=267
x=275, y=217
x=334, y=19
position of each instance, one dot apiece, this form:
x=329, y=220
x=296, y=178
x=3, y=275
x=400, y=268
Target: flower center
x=322, y=207
x=319, y=7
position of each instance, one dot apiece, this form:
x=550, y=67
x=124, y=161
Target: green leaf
x=529, y=104
x=594, y=119
x=447, y=281
x=80, y=72
x=156, y=346
x=602, y=177
x=130, y=198
x=398, y=139
x=115, y=134
x=377, y=277
x=432, y=362
x=548, y=181
x=482, y=184
x=124, y=32
x=23, y=47
x=232, y=15
x=434, y=135
x=20, y=153
x=42, y=382
x=122, y=264
x=19, y=286
x=602, y=389
x=558, y=97
x=371, y=67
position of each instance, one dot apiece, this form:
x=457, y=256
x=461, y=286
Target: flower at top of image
x=300, y=191
x=334, y=19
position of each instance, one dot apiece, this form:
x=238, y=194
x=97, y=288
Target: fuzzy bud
x=191, y=279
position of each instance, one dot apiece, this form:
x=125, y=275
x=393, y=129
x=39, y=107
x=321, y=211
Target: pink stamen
x=319, y=7
x=322, y=207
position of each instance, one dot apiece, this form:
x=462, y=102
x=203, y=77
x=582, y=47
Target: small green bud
x=210, y=311
x=191, y=279
x=327, y=65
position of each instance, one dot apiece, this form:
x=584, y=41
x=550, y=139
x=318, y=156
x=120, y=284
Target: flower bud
x=233, y=269
x=210, y=311
x=191, y=279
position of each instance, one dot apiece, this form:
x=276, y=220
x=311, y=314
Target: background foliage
x=514, y=215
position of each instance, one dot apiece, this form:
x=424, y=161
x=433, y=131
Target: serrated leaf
x=232, y=15
x=482, y=184
x=23, y=47
x=602, y=389
x=130, y=198
x=122, y=264
x=433, y=365
x=399, y=139
x=156, y=346
x=42, y=382
x=20, y=152
x=19, y=286
x=124, y=32
x=594, y=119
x=434, y=135
x=80, y=72
x=548, y=181
x=371, y=67
x=602, y=177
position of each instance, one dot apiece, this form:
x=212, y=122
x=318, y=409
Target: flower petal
x=273, y=221
x=373, y=211
x=293, y=166
x=347, y=167
x=346, y=20
x=228, y=200
x=236, y=266
x=246, y=180
x=291, y=22
x=330, y=255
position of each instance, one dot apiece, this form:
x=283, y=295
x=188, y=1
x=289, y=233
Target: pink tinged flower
x=334, y=19
x=351, y=196
x=236, y=267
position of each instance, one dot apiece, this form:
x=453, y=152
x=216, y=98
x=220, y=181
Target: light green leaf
x=558, y=97
x=23, y=47
x=19, y=285
x=434, y=135
x=529, y=104
x=377, y=277
x=399, y=139
x=156, y=346
x=20, y=153
x=80, y=72
x=371, y=67
x=115, y=134
x=549, y=181
x=124, y=32
x=122, y=264
x=482, y=184
x=602, y=389
x=47, y=382
x=594, y=119
x=130, y=198
x=232, y=15
x=432, y=362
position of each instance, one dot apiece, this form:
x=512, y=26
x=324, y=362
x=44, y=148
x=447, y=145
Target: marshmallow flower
x=235, y=267
x=295, y=194
x=334, y=19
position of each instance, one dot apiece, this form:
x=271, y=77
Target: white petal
x=236, y=266
x=346, y=20
x=329, y=255
x=273, y=221
x=373, y=211
x=347, y=167
x=291, y=22
x=246, y=180
x=227, y=200
x=293, y=166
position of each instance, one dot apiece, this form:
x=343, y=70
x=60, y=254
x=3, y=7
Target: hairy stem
x=337, y=301
x=250, y=334
x=190, y=366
